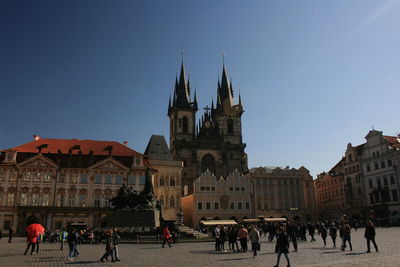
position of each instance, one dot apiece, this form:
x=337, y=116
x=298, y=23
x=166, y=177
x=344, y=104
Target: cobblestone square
x=203, y=254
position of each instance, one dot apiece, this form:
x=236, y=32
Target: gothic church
x=215, y=142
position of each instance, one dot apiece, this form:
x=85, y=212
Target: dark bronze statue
x=130, y=199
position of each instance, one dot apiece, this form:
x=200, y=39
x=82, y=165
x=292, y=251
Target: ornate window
x=97, y=201
x=73, y=177
x=161, y=181
x=172, y=182
x=24, y=199
x=83, y=178
x=118, y=179
x=60, y=200
x=46, y=176
x=108, y=179
x=27, y=176
x=82, y=200
x=45, y=200
x=131, y=179
x=35, y=200
x=71, y=200
x=97, y=179
x=10, y=199
x=142, y=179
x=12, y=176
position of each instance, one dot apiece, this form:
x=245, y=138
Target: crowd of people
x=289, y=232
x=281, y=233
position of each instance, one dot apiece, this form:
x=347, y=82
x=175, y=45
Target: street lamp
x=293, y=210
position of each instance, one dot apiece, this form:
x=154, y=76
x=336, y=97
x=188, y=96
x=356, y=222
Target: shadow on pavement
x=83, y=262
x=329, y=252
x=355, y=253
x=209, y=252
x=235, y=259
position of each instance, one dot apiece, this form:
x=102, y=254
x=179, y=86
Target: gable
x=38, y=161
x=109, y=164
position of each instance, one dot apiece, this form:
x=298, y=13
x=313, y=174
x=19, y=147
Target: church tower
x=215, y=143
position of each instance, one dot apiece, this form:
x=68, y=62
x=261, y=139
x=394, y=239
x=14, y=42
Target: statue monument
x=133, y=209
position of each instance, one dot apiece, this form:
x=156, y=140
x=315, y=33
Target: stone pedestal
x=128, y=218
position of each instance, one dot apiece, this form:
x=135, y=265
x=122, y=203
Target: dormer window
x=11, y=156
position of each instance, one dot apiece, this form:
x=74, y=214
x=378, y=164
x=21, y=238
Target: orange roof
x=394, y=141
x=76, y=145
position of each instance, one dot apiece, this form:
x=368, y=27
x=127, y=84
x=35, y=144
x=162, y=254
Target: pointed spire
x=225, y=92
x=240, y=99
x=212, y=104
x=195, y=99
x=169, y=102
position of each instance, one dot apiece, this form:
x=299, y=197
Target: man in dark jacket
x=293, y=233
x=115, y=238
x=333, y=234
x=282, y=247
x=370, y=236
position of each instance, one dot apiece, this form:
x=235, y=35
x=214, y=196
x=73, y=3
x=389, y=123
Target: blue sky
x=313, y=75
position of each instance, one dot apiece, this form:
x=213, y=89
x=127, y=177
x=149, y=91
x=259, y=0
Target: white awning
x=218, y=222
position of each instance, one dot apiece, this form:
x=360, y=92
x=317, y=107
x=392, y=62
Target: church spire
x=182, y=90
x=225, y=89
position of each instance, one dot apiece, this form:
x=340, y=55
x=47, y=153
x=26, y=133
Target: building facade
x=380, y=160
x=353, y=182
x=215, y=142
x=284, y=192
x=214, y=198
x=65, y=181
x=330, y=196
x=167, y=179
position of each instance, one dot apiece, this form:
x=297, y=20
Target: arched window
x=185, y=124
x=172, y=181
x=172, y=202
x=230, y=126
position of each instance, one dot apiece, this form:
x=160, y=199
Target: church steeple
x=182, y=90
x=225, y=90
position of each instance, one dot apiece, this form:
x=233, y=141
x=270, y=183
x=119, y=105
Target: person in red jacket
x=167, y=236
x=31, y=239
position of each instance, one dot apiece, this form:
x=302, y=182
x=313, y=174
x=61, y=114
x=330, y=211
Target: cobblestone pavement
x=202, y=254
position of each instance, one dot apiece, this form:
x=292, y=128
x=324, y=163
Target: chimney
x=36, y=137
x=125, y=143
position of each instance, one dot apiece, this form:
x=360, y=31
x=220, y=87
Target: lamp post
x=293, y=210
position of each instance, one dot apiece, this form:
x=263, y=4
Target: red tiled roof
x=393, y=141
x=76, y=145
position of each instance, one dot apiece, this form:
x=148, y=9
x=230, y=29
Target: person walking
x=254, y=237
x=217, y=234
x=243, y=235
x=282, y=247
x=72, y=240
x=62, y=237
x=39, y=239
x=10, y=233
x=222, y=238
x=115, y=238
x=311, y=231
x=32, y=239
x=167, y=237
x=292, y=234
x=109, y=247
x=333, y=234
x=346, y=237
x=324, y=233
x=370, y=236
x=232, y=238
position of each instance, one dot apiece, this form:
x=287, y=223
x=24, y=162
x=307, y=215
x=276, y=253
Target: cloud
x=379, y=12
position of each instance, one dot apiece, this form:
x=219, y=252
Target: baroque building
x=65, y=181
x=380, y=166
x=167, y=179
x=282, y=192
x=213, y=143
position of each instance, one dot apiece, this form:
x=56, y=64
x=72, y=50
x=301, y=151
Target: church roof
x=157, y=148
